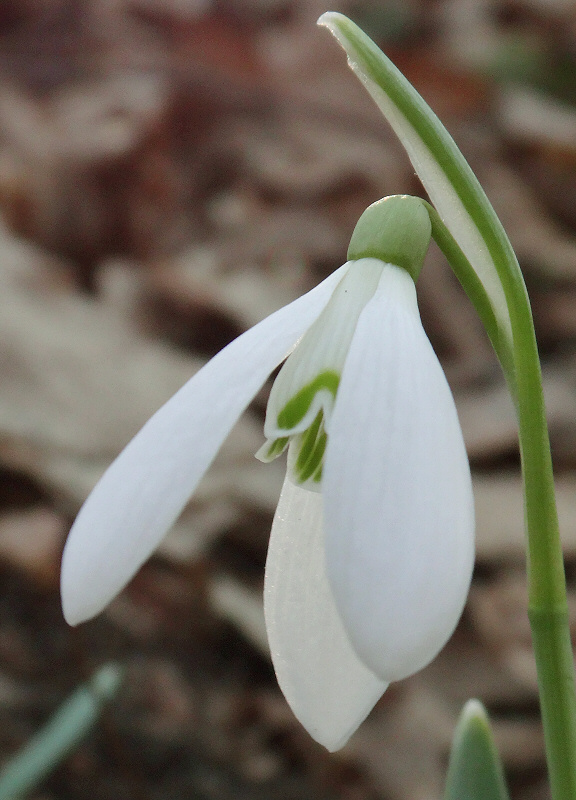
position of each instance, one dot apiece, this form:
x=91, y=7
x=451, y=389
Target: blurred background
x=171, y=171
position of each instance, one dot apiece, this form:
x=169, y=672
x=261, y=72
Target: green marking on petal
x=277, y=447
x=311, y=448
x=296, y=408
x=316, y=459
x=272, y=449
x=305, y=389
x=307, y=442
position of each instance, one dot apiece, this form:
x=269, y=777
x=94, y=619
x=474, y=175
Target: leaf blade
x=475, y=770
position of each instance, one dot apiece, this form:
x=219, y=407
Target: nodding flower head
x=372, y=544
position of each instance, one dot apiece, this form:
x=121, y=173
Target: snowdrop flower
x=371, y=550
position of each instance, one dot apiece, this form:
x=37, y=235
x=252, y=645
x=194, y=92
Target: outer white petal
x=323, y=348
x=327, y=686
x=142, y=493
x=397, y=490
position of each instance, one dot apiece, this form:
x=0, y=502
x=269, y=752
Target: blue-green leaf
x=61, y=734
x=475, y=770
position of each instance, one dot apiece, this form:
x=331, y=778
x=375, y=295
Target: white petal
x=322, y=350
x=397, y=491
x=142, y=493
x=327, y=686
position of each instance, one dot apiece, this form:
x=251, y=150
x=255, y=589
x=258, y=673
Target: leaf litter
x=169, y=174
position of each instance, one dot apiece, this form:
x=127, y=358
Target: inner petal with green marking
x=303, y=394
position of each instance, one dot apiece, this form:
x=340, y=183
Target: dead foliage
x=171, y=171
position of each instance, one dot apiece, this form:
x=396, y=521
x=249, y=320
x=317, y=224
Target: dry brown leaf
x=31, y=542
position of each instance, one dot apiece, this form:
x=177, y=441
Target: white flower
x=371, y=549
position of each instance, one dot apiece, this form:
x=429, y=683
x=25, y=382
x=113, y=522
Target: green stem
x=492, y=278
x=548, y=606
x=548, y=609
x=553, y=649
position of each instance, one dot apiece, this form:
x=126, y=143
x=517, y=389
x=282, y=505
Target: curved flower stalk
x=469, y=232
x=372, y=544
